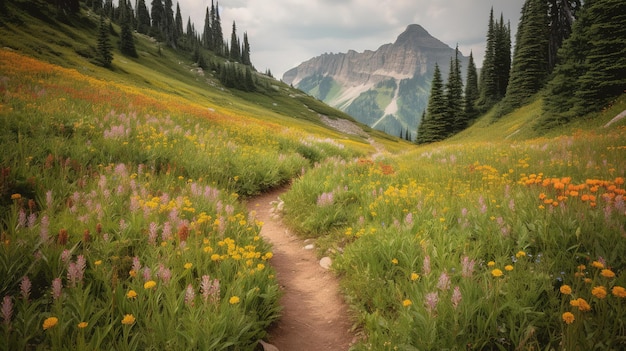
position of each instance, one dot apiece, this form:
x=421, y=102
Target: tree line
x=166, y=26
x=570, y=52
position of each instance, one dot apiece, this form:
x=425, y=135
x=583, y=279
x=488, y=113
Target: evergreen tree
x=561, y=15
x=216, y=26
x=433, y=125
x=157, y=13
x=471, y=92
x=530, y=63
x=488, y=85
x=143, y=18
x=127, y=42
x=168, y=24
x=105, y=54
x=245, y=51
x=502, y=57
x=178, y=24
x=592, y=63
x=248, y=80
x=235, y=55
x=207, y=34
x=454, y=97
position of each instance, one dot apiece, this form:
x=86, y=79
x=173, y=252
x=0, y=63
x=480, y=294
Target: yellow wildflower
x=607, y=273
x=149, y=284
x=394, y=261
x=496, y=273
x=508, y=268
x=215, y=257
x=414, y=276
x=188, y=265
x=50, y=322
x=568, y=317
x=619, y=291
x=599, y=292
x=491, y=264
x=565, y=289
x=234, y=300
x=16, y=197
x=520, y=254
x=132, y=273
x=82, y=325
x=597, y=264
x=98, y=262
x=407, y=303
x=128, y=319
x=131, y=294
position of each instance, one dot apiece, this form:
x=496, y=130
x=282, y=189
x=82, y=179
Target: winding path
x=314, y=316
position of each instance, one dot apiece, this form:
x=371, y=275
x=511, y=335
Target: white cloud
x=284, y=33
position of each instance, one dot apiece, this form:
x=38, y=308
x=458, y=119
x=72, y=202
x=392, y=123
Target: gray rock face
x=386, y=89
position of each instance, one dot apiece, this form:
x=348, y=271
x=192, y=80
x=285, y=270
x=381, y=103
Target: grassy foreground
x=479, y=245
x=121, y=221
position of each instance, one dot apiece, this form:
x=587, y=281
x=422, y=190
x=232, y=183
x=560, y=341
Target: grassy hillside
x=122, y=225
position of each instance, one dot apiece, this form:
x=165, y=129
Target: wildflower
x=407, y=303
x=431, y=301
x=597, y=264
x=607, y=273
x=491, y=264
x=215, y=257
x=467, y=267
x=496, y=273
x=7, y=309
x=394, y=261
x=149, y=284
x=16, y=196
x=98, y=262
x=414, y=276
x=581, y=304
x=599, y=292
x=128, y=319
x=165, y=274
x=568, y=317
x=57, y=285
x=131, y=294
x=188, y=265
x=132, y=273
x=508, y=267
x=190, y=295
x=520, y=254
x=210, y=289
x=50, y=322
x=444, y=281
x=456, y=297
x=426, y=265
x=234, y=300
x=25, y=286
x=565, y=289
x=619, y=291
x=82, y=325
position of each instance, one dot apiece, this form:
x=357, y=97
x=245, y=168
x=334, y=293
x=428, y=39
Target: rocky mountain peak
x=415, y=36
x=387, y=88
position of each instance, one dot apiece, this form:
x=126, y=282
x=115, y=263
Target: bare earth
x=314, y=315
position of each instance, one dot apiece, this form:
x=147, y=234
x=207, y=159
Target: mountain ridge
x=386, y=88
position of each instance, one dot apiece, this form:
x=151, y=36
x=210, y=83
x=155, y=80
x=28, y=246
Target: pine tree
x=245, y=51
x=216, y=26
x=561, y=14
x=178, y=24
x=530, y=63
x=105, y=55
x=168, y=24
x=502, y=56
x=454, y=97
x=143, y=18
x=157, y=14
x=471, y=92
x=235, y=55
x=207, y=34
x=433, y=125
x=487, y=83
x=127, y=42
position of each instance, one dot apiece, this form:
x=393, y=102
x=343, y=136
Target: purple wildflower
x=426, y=268
x=7, y=309
x=444, y=281
x=467, y=268
x=190, y=295
x=431, y=302
x=57, y=286
x=25, y=286
x=456, y=297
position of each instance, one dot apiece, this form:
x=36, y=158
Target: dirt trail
x=314, y=315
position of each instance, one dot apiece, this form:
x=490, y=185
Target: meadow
x=123, y=225
x=478, y=245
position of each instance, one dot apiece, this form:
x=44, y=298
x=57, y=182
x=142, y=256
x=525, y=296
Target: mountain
x=386, y=89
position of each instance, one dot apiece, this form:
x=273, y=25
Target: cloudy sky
x=285, y=33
